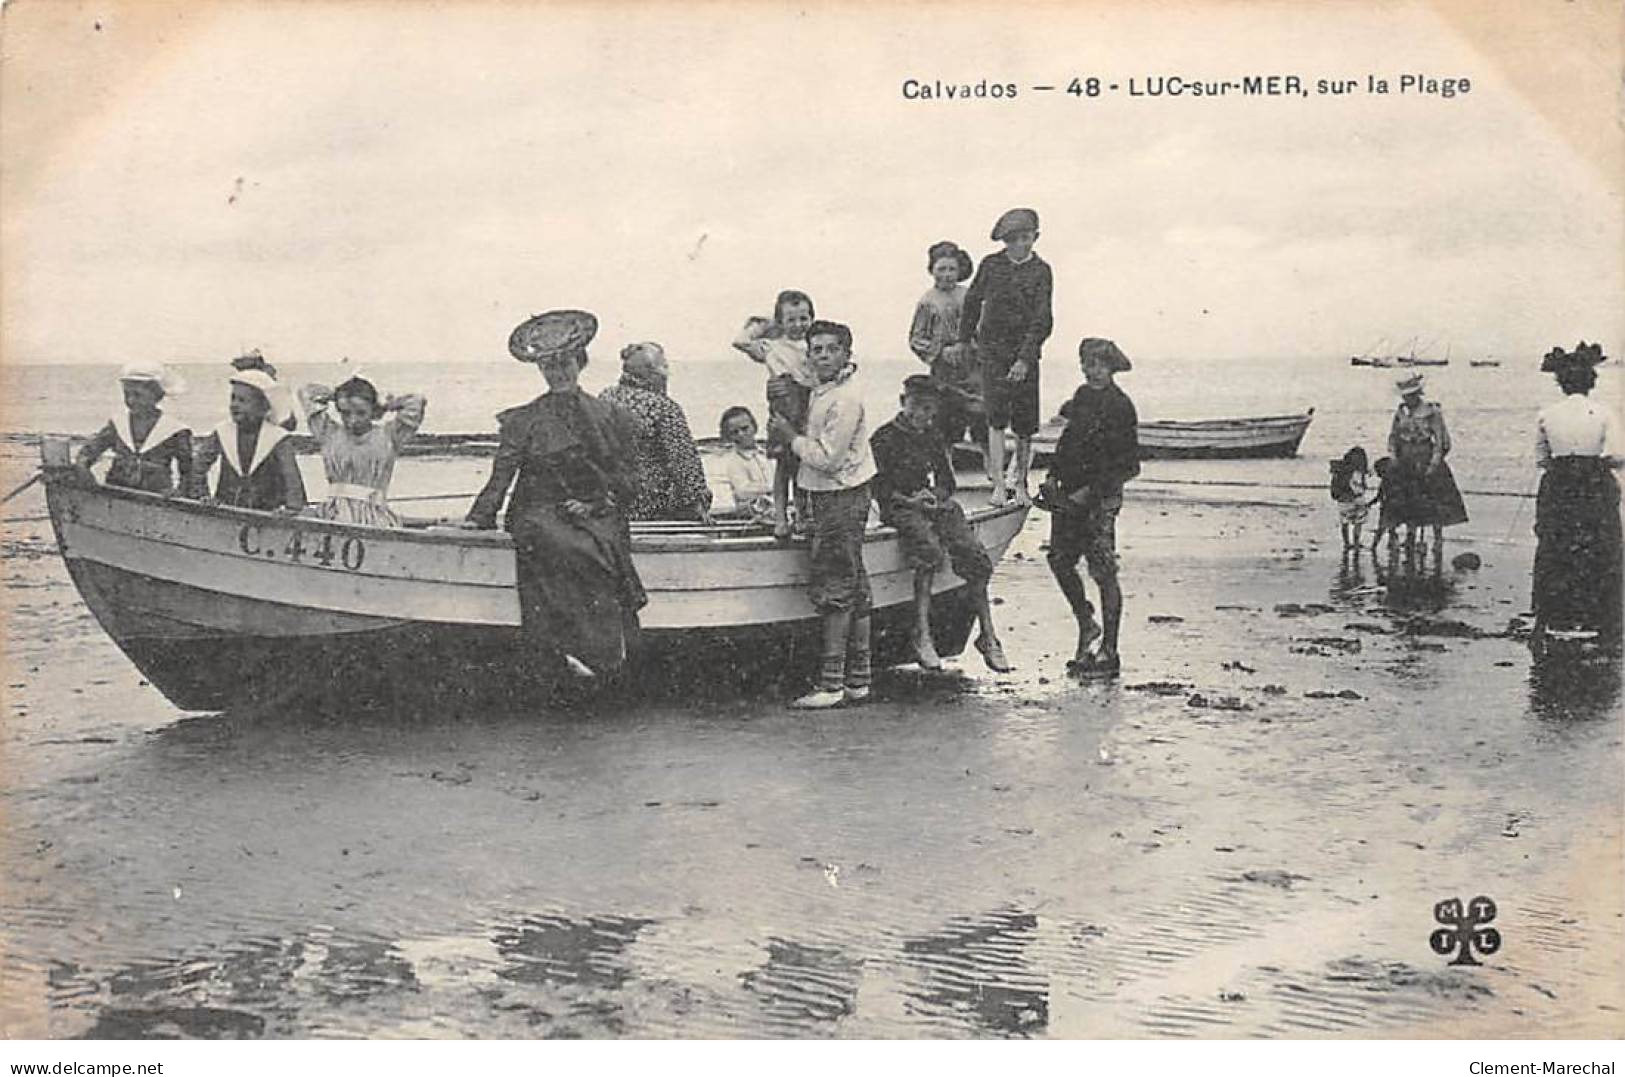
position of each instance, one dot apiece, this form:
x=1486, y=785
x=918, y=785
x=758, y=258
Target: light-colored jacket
x=834, y=451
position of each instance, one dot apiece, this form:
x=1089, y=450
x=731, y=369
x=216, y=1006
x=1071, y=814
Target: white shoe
x=578, y=667
x=925, y=653
x=857, y=695
x=998, y=496
x=819, y=699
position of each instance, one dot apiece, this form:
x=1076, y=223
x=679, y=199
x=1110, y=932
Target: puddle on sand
x=976, y=971
x=801, y=985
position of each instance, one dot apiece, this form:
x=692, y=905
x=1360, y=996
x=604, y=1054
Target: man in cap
x=1007, y=317
x=1097, y=453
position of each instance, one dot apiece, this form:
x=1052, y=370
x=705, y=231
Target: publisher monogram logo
x=1464, y=930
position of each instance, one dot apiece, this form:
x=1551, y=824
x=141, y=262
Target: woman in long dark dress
x=1578, y=446
x=567, y=456
x=1420, y=490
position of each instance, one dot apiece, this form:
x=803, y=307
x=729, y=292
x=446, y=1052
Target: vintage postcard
x=864, y=521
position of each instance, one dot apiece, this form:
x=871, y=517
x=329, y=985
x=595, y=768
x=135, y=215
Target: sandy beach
x=1244, y=836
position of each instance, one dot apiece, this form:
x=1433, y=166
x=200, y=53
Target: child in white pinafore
x=358, y=451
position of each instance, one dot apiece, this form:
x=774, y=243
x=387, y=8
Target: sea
x=1490, y=411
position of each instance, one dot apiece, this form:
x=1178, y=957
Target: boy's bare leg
x=995, y=465
x=781, y=498
x=1024, y=459
x=925, y=651
x=987, y=640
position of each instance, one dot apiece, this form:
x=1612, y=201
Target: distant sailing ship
x=1374, y=357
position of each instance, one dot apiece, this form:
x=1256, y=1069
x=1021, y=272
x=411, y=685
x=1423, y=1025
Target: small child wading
x=1350, y=478
x=781, y=346
x=836, y=467
x=913, y=485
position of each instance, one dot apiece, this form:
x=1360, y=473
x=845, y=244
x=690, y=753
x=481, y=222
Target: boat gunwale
x=1227, y=424
x=496, y=538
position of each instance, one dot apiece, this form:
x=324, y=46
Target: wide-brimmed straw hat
x=1015, y=220
x=1583, y=355
x=555, y=332
x=1410, y=383
x=1107, y=350
x=157, y=373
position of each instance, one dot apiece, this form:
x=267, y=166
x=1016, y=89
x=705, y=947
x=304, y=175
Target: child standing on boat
x=1097, y=453
x=358, y=451
x=914, y=486
x=258, y=468
x=742, y=466
x=934, y=337
x=1007, y=316
x=836, y=466
x=781, y=346
x=151, y=451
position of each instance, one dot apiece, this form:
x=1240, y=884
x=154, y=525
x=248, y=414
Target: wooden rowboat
x=221, y=607
x=1202, y=439
x=1271, y=435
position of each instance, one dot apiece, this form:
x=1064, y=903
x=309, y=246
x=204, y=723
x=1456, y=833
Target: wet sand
x=1244, y=836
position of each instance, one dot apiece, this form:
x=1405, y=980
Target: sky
x=407, y=182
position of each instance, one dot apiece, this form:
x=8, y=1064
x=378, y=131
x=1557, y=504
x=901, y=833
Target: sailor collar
x=271, y=436
x=165, y=428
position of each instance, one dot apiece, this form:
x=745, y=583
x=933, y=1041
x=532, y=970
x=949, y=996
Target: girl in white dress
x=359, y=451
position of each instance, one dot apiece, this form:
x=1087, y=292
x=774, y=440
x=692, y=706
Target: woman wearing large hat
x=568, y=458
x=1424, y=490
x=1578, y=445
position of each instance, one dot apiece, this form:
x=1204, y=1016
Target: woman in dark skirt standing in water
x=1577, y=557
x=579, y=593
x=1420, y=491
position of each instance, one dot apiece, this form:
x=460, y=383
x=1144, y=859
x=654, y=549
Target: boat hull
x=219, y=607
x=1205, y=439
x=1221, y=439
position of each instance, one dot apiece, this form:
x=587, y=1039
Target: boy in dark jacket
x=913, y=486
x=1007, y=317
x=1097, y=453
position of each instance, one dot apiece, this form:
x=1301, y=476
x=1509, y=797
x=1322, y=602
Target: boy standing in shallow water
x=1007, y=316
x=913, y=485
x=1097, y=453
x=836, y=467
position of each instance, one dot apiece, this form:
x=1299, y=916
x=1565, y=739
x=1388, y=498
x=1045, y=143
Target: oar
x=38, y=475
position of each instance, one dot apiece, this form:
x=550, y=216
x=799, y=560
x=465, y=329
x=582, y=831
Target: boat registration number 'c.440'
x=300, y=547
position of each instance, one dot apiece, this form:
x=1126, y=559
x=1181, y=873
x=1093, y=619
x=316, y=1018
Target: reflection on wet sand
x=556, y=950
x=237, y=991
x=1574, y=686
x=801, y=985
x=977, y=970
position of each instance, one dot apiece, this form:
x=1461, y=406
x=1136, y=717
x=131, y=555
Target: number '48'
x=1089, y=87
